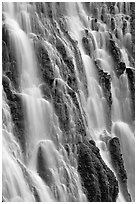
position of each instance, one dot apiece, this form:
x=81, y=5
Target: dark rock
x=47, y=70
x=63, y=115
x=131, y=78
x=92, y=142
x=118, y=33
x=71, y=81
x=115, y=51
x=118, y=165
x=94, y=24
x=5, y=57
x=112, y=24
x=98, y=180
x=70, y=74
x=16, y=107
x=121, y=67
x=78, y=60
x=7, y=87
x=105, y=83
x=9, y=64
x=13, y=74
x=86, y=45
x=112, y=9
x=62, y=50
x=124, y=26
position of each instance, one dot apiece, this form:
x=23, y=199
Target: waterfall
x=67, y=92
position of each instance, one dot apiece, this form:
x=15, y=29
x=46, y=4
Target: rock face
x=105, y=83
x=118, y=165
x=131, y=77
x=98, y=180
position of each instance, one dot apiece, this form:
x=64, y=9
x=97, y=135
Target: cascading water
x=70, y=89
x=39, y=119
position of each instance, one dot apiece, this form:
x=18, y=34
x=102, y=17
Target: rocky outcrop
x=98, y=180
x=77, y=57
x=118, y=165
x=105, y=83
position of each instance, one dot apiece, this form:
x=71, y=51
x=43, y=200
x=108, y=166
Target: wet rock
x=124, y=26
x=111, y=8
x=63, y=114
x=118, y=33
x=72, y=81
x=9, y=64
x=78, y=60
x=62, y=50
x=86, y=45
x=112, y=24
x=105, y=83
x=47, y=71
x=7, y=87
x=131, y=78
x=94, y=24
x=5, y=57
x=68, y=71
x=118, y=165
x=120, y=68
x=98, y=180
x=115, y=51
x=17, y=112
x=61, y=109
